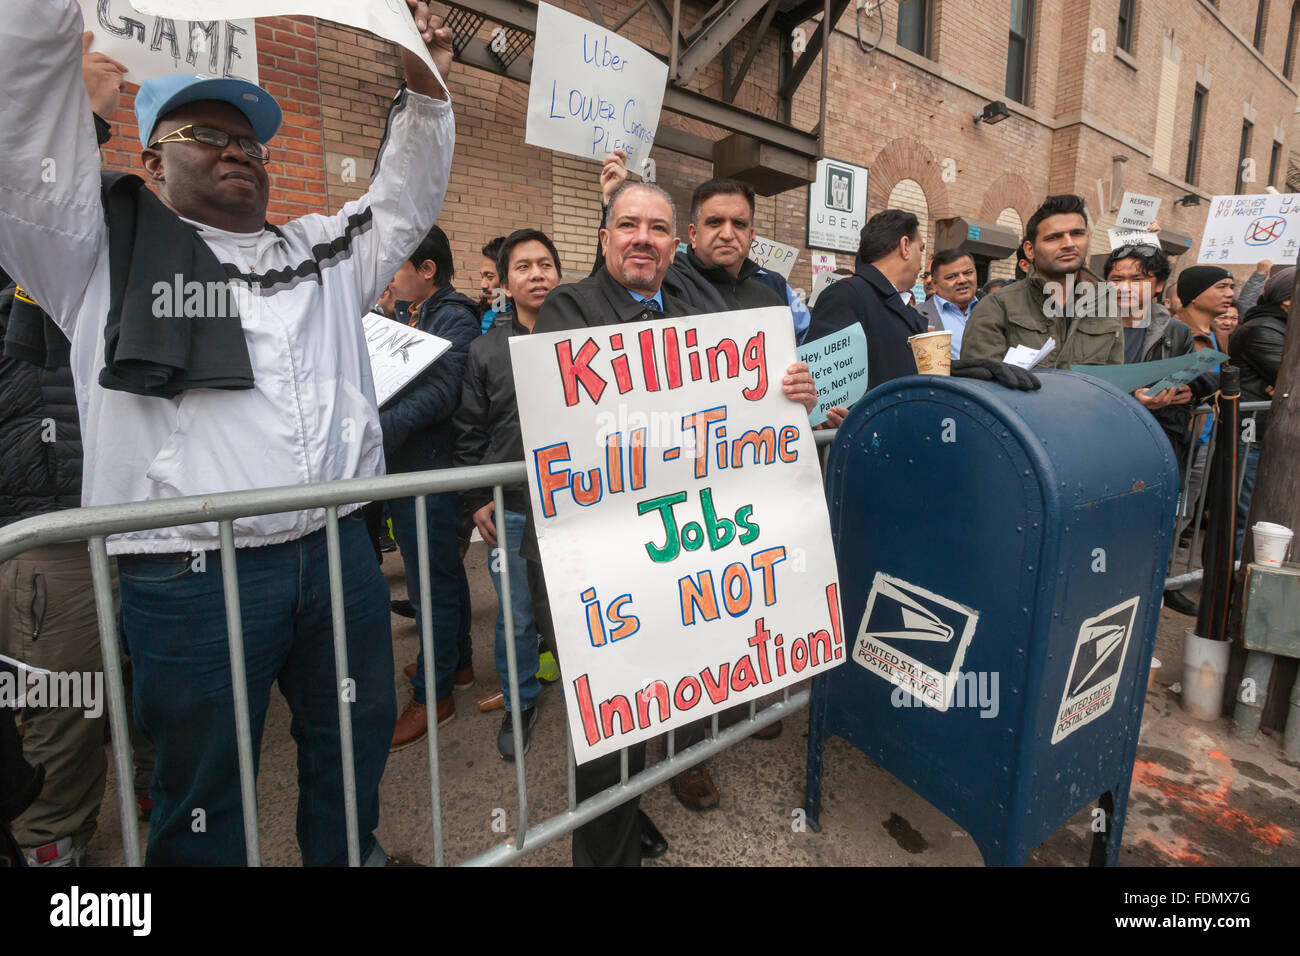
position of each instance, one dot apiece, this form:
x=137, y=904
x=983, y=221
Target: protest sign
x=773, y=256
x=592, y=91
x=1241, y=230
x=822, y=262
x=838, y=363
x=680, y=517
x=1157, y=376
x=821, y=281
x=1137, y=211
x=398, y=353
x=389, y=19
x=150, y=46
x=1132, y=237
x=837, y=206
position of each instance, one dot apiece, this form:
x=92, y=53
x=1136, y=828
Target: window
x=1194, y=144
x=1124, y=32
x=1288, y=60
x=913, y=25
x=1247, y=128
x=1274, y=161
x=1018, y=51
x=1261, y=17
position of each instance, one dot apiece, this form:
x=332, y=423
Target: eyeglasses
x=218, y=139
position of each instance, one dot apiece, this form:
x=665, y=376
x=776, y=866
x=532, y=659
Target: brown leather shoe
x=413, y=723
x=695, y=789
x=770, y=732
x=464, y=677
x=410, y=669
x=493, y=701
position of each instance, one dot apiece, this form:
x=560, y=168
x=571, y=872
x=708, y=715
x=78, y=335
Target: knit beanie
x=1278, y=287
x=1196, y=279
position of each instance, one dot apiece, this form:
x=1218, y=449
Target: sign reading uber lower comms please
x=663, y=459
x=592, y=91
x=1095, y=668
x=915, y=639
x=837, y=206
x=150, y=46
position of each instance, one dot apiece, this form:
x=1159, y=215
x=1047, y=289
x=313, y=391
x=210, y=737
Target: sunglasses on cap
x=218, y=139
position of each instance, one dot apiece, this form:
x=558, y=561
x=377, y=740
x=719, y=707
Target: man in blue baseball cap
x=269, y=384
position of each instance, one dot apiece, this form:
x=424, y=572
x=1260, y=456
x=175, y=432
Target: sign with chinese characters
x=1241, y=230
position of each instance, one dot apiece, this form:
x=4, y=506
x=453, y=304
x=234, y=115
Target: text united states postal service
x=680, y=517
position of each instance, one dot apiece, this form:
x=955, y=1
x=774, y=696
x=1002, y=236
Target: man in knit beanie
x=1205, y=291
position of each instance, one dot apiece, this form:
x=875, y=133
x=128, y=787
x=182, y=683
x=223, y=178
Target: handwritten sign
x=1133, y=237
x=1241, y=230
x=773, y=256
x=821, y=282
x=1137, y=211
x=398, y=353
x=150, y=46
x=822, y=262
x=389, y=19
x=663, y=459
x=838, y=363
x=592, y=91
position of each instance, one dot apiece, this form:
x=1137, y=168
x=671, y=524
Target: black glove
x=989, y=370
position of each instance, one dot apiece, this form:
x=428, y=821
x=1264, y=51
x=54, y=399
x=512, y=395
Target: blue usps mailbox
x=1002, y=558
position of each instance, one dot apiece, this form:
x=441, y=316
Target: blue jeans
x=521, y=609
x=448, y=587
x=174, y=621
x=1249, y=456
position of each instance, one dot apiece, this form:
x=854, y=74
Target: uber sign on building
x=1095, y=668
x=914, y=638
x=837, y=206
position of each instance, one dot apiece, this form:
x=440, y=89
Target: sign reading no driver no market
x=592, y=91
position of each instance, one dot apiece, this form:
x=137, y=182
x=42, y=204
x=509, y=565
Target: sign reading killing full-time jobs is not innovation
x=662, y=461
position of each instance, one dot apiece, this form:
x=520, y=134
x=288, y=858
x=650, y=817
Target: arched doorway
x=1006, y=268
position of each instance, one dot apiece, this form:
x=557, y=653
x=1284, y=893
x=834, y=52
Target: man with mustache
x=948, y=309
x=638, y=244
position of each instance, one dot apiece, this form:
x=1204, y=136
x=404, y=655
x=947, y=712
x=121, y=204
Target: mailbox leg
x=816, y=745
x=1106, y=842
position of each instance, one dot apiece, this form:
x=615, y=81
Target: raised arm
x=51, y=218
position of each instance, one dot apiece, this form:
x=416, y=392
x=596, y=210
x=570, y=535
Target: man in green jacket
x=1059, y=299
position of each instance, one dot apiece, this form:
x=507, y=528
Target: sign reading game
x=680, y=517
x=592, y=91
x=151, y=46
x=1241, y=230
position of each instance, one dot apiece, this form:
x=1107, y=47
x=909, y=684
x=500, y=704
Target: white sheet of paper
x=1137, y=211
x=398, y=353
x=592, y=91
x=390, y=19
x=822, y=262
x=1027, y=358
x=150, y=46
x=773, y=256
x=1242, y=230
x=821, y=282
x=1133, y=237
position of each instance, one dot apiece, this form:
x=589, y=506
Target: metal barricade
x=95, y=524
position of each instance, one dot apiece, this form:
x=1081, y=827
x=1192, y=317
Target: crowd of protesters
x=145, y=409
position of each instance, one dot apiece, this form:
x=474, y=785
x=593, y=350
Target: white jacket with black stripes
x=311, y=414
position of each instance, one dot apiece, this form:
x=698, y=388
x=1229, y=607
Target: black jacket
x=487, y=421
x=870, y=299
x=712, y=289
x=1256, y=346
x=1167, y=338
x=417, y=422
x=40, y=470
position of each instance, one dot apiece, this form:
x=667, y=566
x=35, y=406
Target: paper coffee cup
x=1271, y=543
x=933, y=352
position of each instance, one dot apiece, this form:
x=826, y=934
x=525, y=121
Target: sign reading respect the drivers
x=663, y=458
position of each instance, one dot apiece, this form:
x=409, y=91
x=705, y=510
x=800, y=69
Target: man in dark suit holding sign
x=638, y=245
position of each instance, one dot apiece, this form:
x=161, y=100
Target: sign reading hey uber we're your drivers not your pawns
x=680, y=517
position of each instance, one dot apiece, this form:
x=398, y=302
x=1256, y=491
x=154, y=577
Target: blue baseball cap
x=162, y=94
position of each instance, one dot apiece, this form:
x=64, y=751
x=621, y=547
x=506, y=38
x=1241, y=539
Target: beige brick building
x=1103, y=96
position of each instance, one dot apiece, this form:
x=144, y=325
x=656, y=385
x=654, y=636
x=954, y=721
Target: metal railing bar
x=430, y=682
x=102, y=582
x=512, y=662
x=341, y=687
x=239, y=689
x=560, y=824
